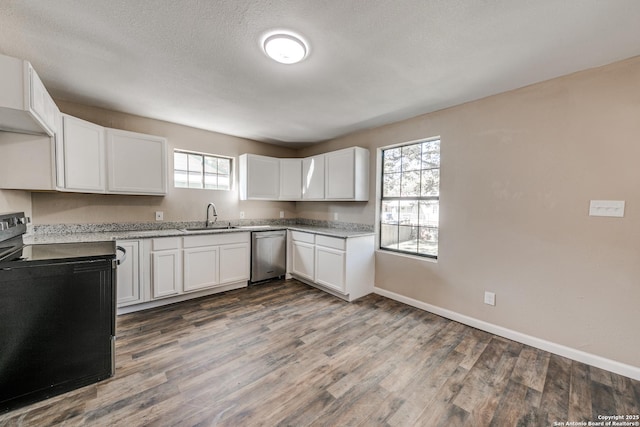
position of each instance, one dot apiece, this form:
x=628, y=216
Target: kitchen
x=516, y=221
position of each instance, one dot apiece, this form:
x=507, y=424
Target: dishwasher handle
x=268, y=234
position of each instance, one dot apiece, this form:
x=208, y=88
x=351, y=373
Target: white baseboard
x=561, y=350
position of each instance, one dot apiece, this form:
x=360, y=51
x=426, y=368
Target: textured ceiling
x=200, y=63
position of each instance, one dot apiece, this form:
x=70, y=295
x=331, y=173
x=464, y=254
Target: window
x=196, y=170
x=410, y=198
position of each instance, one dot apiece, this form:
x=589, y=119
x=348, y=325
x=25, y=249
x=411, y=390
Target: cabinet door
x=137, y=163
x=41, y=103
x=234, y=263
x=129, y=275
x=313, y=178
x=25, y=105
x=165, y=276
x=259, y=177
x=330, y=268
x=340, y=174
x=303, y=260
x=290, y=179
x=84, y=158
x=201, y=268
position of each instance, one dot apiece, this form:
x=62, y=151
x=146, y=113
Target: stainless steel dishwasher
x=268, y=254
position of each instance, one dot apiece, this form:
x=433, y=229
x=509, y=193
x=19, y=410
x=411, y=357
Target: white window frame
x=380, y=198
x=202, y=171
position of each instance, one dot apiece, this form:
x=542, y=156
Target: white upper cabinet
x=302, y=256
x=347, y=174
x=93, y=159
x=341, y=175
x=313, y=178
x=290, y=179
x=41, y=104
x=259, y=177
x=74, y=155
x=25, y=104
x=137, y=163
x=84, y=156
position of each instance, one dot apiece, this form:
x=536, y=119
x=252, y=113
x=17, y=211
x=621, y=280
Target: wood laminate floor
x=283, y=353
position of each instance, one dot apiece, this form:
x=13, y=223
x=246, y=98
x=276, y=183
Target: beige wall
x=15, y=201
x=518, y=171
x=179, y=204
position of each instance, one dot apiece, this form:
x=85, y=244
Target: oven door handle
x=124, y=254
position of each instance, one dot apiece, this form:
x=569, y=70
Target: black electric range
x=57, y=315
x=51, y=253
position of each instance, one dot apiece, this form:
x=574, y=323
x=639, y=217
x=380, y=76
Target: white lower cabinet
x=234, y=262
x=172, y=269
x=166, y=273
x=303, y=262
x=129, y=274
x=166, y=267
x=341, y=266
x=212, y=260
x=330, y=268
x=200, y=268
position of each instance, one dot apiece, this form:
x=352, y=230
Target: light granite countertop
x=99, y=236
x=330, y=231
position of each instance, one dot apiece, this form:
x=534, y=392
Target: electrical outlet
x=335, y=216
x=241, y=214
x=489, y=298
x=281, y=214
x=159, y=215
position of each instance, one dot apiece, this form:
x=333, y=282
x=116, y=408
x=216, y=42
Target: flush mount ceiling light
x=285, y=48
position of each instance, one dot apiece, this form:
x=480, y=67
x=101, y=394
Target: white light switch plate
x=613, y=208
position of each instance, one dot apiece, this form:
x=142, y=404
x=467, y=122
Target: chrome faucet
x=215, y=215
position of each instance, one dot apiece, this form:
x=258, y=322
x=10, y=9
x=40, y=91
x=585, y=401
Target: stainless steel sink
x=211, y=227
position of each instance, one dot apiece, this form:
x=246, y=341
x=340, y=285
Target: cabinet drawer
x=331, y=242
x=215, y=239
x=165, y=243
x=299, y=236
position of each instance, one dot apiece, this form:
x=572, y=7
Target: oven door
x=57, y=325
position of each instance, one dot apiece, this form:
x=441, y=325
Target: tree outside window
x=410, y=201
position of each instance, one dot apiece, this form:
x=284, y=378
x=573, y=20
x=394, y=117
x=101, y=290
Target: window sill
x=405, y=255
